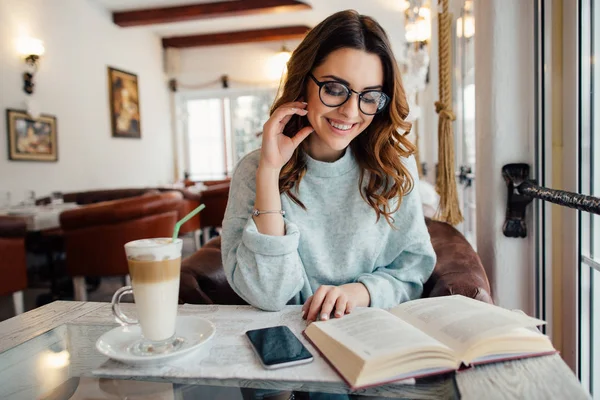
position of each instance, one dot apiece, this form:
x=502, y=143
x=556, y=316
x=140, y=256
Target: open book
x=423, y=337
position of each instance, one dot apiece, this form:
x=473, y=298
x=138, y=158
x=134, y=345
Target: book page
x=372, y=332
x=459, y=321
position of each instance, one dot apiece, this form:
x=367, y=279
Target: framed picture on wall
x=31, y=139
x=124, y=104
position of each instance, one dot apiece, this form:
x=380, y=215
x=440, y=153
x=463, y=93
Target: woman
x=325, y=214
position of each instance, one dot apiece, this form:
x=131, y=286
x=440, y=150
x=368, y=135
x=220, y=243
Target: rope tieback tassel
x=449, y=209
x=444, y=112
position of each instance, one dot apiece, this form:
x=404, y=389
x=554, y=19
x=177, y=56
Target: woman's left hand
x=339, y=299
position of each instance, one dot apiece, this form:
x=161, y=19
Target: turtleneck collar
x=324, y=169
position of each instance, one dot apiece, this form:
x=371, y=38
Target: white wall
x=504, y=94
x=81, y=41
x=245, y=64
x=249, y=62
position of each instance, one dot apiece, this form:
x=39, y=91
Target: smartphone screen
x=278, y=347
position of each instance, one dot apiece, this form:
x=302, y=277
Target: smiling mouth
x=341, y=127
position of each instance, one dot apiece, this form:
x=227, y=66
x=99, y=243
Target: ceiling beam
x=257, y=35
x=205, y=10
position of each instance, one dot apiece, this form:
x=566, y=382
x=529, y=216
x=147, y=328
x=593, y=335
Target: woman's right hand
x=277, y=148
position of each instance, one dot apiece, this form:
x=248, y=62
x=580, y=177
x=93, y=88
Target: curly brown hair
x=378, y=150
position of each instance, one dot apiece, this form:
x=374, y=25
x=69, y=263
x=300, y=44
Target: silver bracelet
x=256, y=212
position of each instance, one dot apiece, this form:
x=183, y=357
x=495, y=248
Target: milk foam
x=155, y=249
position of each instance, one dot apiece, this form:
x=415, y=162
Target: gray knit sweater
x=335, y=241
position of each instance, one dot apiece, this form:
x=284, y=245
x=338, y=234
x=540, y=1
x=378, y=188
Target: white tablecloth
x=39, y=218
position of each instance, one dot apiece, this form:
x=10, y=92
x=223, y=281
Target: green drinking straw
x=186, y=219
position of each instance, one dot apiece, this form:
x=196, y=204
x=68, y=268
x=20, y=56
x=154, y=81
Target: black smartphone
x=278, y=347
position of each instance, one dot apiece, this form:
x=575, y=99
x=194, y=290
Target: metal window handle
x=465, y=176
x=465, y=173
x=522, y=191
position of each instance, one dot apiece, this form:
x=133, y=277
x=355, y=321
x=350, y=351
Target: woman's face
x=336, y=127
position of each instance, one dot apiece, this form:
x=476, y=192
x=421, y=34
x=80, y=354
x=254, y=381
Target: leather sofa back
x=191, y=200
x=215, y=198
x=110, y=212
x=216, y=182
x=97, y=196
x=12, y=227
x=95, y=234
x=458, y=270
x=13, y=266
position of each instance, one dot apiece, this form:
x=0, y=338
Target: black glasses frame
x=349, y=94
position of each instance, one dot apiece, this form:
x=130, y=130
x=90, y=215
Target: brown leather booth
x=216, y=182
x=95, y=235
x=215, y=198
x=191, y=201
x=97, y=196
x=458, y=271
x=13, y=266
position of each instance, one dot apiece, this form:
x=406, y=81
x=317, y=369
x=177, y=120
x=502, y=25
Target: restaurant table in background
x=39, y=218
x=44, y=242
x=50, y=353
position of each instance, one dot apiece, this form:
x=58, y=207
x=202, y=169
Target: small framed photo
x=124, y=104
x=31, y=139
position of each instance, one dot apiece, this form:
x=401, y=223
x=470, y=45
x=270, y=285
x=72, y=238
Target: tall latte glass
x=154, y=267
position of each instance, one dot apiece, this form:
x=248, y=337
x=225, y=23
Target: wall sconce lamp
x=31, y=49
x=465, y=26
x=283, y=57
x=224, y=81
x=278, y=63
x=404, y=5
x=418, y=22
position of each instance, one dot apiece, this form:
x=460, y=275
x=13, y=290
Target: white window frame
x=588, y=262
x=546, y=90
x=225, y=94
x=578, y=266
x=572, y=273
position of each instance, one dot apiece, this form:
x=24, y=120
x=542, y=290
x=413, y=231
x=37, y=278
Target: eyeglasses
x=334, y=94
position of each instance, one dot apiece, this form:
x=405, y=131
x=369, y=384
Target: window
x=589, y=172
x=464, y=100
x=205, y=139
x=249, y=114
x=219, y=129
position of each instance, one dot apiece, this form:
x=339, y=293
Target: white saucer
x=194, y=330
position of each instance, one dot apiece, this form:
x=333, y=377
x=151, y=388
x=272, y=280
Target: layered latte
x=154, y=267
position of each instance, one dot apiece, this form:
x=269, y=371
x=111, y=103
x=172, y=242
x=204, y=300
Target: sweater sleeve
x=411, y=253
x=264, y=270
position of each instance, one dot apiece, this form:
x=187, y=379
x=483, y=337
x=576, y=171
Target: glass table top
x=58, y=364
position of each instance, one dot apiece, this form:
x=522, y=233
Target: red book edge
x=464, y=367
x=460, y=369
